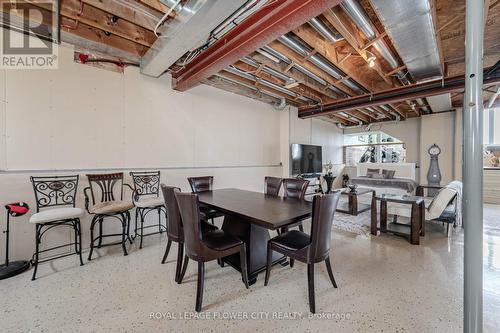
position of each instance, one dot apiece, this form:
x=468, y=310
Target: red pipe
x=267, y=24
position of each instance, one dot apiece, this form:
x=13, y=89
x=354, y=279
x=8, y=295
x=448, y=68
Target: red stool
x=13, y=268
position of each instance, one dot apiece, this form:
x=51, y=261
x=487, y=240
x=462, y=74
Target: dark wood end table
x=416, y=226
x=353, y=207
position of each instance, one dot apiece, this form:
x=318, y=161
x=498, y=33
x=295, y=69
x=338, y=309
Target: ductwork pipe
x=358, y=125
x=323, y=30
x=266, y=83
x=317, y=60
x=268, y=93
x=303, y=70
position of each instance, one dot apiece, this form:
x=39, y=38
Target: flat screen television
x=306, y=159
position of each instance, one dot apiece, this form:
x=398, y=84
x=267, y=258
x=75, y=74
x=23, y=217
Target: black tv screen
x=306, y=159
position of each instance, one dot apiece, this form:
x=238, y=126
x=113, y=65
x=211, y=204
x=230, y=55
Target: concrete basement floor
x=385, y=284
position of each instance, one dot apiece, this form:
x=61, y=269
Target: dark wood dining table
x=249, y=216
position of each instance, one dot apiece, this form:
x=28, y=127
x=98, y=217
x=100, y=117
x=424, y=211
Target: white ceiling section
x=189, y=29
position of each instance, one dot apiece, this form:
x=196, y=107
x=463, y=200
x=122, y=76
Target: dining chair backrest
x=323, y=212
x=190, y=215
x=295, y=188
x=174, y=223
x=272, y=185
x=201, y=184
x=146, y=183
x=54, y=191
x=106, y=187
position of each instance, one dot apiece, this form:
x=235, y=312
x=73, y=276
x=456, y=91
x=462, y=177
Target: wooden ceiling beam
x=156, y=5
x=95, y=35
x=99, y=19
x=344, y=28
x=145, y=18
x=328, y=51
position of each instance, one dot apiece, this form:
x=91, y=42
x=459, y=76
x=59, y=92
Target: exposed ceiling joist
x=348, y=31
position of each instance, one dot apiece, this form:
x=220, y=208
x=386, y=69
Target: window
x=491, y=137
x=373, y=147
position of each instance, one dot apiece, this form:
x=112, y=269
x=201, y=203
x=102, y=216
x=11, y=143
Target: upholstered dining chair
x=55, y=207
x=211, y=246
x=104, y=200
x=204, y=184
x=175, y=232
x=146, y=200
x=295, y=189
x=309, y=249
x=272, y=185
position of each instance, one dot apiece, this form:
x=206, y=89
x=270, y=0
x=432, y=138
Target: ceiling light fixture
x=371, y=59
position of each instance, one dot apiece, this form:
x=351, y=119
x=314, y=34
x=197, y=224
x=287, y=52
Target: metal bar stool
x=147, y=199
x=58, y=192
x=106, y=193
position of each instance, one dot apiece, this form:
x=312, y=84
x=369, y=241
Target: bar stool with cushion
x=309, y=249
x=175, y=232
x=55, y=205
x=204, y=184
x=295, y=189
x=147, y=199
x=208, y=246
x=272, y=185
x=106, y=193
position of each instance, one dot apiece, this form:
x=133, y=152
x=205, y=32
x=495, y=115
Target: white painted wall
x=317, y=132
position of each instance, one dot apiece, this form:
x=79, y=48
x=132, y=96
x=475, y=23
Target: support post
x=473, y=168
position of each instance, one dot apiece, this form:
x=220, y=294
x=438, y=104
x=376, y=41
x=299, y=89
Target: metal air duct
x=409, y=24
x=188, y=30
x=324, y=31
x=318, y=61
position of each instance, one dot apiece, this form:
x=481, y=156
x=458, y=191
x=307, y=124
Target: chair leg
x=199, y=288
x=37, y=247
x=180, y=255
x=128, y=222
x=159, y=221
x=99, y=244
x=330, y=273
x=169, y=243
x=310, y=280
x=292, y=261
x=95, y=219
x=268, y=264
x=184, y=267
x=124, y=234
x=78, y=240
x=135, y=224
x=142, y=229
x=243, y=264
x=301, y=228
